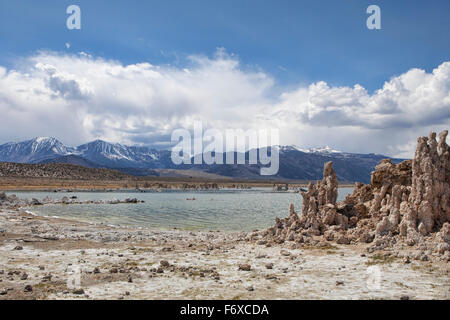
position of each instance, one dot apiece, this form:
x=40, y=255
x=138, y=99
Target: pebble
x=245, y=267
x=78, y=291
x=285, y=253
x=47, y=277
x=18, y=248
x=269, y=265
x=339, y=283
x=164, y=263
x=28, y=288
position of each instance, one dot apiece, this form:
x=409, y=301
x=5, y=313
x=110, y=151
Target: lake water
x=225, y=210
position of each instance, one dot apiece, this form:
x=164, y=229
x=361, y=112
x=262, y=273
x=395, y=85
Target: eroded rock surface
x=405, y=204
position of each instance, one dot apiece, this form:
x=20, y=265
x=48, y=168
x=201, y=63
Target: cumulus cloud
x=127, y=103
x=387, y=121
x=79, y=97
x=414, y=98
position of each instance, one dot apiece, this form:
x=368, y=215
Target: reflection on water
x=227, y=210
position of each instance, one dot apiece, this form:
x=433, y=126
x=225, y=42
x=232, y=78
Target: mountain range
x=295, y=163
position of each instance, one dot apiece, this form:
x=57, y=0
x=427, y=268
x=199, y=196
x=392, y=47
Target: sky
x=137, y=70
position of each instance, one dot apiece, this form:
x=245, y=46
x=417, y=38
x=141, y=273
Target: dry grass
x=380, y=259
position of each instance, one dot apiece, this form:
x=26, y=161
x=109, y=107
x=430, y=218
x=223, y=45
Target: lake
x=224, y=210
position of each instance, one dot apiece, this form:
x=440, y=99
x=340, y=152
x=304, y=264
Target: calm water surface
x=225, y=210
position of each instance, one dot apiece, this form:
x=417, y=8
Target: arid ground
x=48, y=258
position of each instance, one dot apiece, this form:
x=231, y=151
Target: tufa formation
x=405, y=205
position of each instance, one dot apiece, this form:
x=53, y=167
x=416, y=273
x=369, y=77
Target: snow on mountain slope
x=44, y=148
x=117, y=155
x=325, y=149
x=34, y=150
x=295, y=162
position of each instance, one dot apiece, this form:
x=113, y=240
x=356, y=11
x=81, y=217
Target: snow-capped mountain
x=43, y=148
x=101, y=152
x=295, y=162
x=34, y=150
x=325, y=149
x=118, y=155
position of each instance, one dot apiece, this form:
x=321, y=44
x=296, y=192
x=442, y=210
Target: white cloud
x=79, y=97
x=414, y=98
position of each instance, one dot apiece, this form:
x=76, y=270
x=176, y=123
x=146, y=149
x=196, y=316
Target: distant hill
x=295, y=163
x=59, y=171
x=72, y=159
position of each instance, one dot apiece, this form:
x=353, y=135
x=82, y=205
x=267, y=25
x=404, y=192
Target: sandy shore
x=50, y=258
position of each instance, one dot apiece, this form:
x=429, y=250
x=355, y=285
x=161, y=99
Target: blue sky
x=295, y=41
x=137, y=70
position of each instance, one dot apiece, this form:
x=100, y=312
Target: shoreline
x=18, y=184
x=129, y=263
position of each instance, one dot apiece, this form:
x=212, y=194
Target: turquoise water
x=225, y=210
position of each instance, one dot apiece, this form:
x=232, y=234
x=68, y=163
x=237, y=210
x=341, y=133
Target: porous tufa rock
x=430, y=189
x=406, y=203
x=328, y=189
x=395, y=174
x=318, y=211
